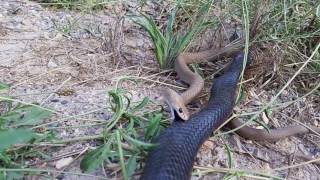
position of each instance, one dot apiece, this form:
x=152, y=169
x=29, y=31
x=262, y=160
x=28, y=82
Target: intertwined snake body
x=179, y=143
x=178, y=102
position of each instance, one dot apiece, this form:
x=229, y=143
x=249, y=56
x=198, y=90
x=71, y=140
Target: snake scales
x=177, y=102
x=178, y=144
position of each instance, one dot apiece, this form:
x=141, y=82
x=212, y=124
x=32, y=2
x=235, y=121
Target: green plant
x=121, y=135
x=169, y=44
x=76, y=4
x=295, y=26
x=3, y=86
x=16, y=121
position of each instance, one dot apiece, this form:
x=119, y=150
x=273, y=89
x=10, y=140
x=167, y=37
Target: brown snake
x=177, y=102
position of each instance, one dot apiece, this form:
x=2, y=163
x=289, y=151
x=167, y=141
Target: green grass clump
x=125, y=138
x=291, y=26
x=122, y=135
x=77, y=4
x=295, y=26
x=169, y=44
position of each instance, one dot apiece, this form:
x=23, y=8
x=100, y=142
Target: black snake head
x=239, y=57
x=235, y=36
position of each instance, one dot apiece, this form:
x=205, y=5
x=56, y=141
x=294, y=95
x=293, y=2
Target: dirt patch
x=67, y=60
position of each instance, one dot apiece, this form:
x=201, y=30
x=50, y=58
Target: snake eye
x=180, y=110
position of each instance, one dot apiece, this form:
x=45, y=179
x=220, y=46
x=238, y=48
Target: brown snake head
x=176, y=103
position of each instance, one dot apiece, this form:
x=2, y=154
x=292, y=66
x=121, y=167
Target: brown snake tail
x=178, y=102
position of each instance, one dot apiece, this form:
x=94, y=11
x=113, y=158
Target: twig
x=297, y=165
x=227, y=170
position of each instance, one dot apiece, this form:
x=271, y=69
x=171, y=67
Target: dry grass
x=86, y=52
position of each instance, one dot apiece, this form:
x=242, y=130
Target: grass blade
x=119, y=109
x=138, y=143
x=120, y=152
x=142, y=104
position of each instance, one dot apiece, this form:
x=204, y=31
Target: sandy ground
x=68, y=60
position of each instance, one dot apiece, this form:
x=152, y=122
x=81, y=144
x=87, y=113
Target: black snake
x=179, y=143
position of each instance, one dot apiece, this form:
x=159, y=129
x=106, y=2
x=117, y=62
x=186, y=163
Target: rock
x=52, y=64
x=54, y=100
x=63, y=162
x=64, y=102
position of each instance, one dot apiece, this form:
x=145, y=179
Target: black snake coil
x=179, y=143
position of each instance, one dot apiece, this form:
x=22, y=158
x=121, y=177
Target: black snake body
x=179, y=144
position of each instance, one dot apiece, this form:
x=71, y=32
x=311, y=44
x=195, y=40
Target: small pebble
x=64, y=102
x=52, y=64
x=60, y=176
x=54, y=100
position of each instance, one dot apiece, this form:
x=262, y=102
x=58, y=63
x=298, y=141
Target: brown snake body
x=273, y=135
x=177, y=102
